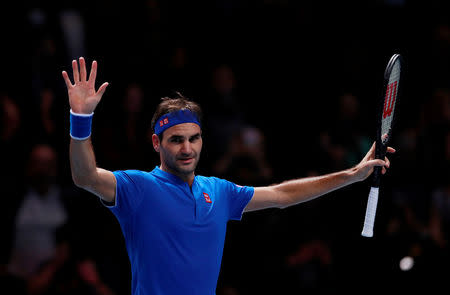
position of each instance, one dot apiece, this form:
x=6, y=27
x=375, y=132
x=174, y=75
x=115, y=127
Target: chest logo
x=207, y=198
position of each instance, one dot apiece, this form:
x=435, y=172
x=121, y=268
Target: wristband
x=80, y=125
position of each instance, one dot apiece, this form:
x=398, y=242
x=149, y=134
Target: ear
x=156, y=143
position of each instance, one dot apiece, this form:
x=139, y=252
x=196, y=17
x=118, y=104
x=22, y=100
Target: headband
x=174, y=118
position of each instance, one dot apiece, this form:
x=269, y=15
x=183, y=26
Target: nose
x=186, y=148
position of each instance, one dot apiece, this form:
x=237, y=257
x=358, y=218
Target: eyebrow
x=196, y=135
x=176, y=136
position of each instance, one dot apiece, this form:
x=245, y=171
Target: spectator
x=226, y=115
x=245, y=161
x=40, y=216
x=12, y=149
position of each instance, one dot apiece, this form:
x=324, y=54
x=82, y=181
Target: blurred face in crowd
x=42, y=167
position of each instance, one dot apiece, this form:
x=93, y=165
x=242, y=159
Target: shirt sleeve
x=238, y=198
x=128, y=193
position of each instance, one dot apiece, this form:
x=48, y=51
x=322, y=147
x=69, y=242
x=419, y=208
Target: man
x=41, y=215
x=174, y=221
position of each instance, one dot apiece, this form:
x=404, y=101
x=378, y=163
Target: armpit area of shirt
x=107, y=204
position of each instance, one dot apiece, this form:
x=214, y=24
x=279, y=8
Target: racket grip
x=370, y=212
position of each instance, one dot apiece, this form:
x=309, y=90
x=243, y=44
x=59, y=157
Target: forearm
x=297, y=191
x=82, y=161
x=304, y=189
x=87, y=175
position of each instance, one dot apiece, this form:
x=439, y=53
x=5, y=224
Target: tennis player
x=174, y=221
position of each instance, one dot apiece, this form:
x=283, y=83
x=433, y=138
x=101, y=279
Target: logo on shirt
x=207, y=198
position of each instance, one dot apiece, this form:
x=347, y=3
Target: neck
x=186, y=177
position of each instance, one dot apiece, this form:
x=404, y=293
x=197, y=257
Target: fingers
x=93, y=74
x=376, y=162
x=76, y=74
x=371, y=153
x=385, y=166
x=372, y=148
x=390, y=150
x=80, y=75
x=102, y=89
x=83, y=73
x=66, y=79
x=386, y=159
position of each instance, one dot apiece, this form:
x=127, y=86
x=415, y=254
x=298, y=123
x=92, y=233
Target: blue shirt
x=175, y=234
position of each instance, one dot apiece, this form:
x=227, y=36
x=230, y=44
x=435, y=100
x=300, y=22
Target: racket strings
x=390, y=101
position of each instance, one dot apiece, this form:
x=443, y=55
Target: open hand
x=83, y=98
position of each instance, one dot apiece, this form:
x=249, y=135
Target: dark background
x=296, y=66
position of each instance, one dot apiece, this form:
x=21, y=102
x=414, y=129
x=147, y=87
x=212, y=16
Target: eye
x=176, y=139
x=195, y=138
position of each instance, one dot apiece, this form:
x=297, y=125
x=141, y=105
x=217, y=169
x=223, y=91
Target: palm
x=83, y=98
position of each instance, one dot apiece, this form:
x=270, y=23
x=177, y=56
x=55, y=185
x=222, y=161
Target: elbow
x=282, y=201
x=286, y=199
x=279, y=198
x=81, y=181
x=281, y=204
x=77, y=181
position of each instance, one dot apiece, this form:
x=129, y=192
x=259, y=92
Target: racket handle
x=370, y=212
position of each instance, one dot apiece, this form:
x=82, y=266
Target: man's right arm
x=87, y=175
x=83, y=99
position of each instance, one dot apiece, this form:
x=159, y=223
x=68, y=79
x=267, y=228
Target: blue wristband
x=80, y=125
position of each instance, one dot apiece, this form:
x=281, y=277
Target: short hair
x=173, y=104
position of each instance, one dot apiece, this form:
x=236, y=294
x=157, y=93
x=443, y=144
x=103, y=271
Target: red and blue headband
x=174, y=118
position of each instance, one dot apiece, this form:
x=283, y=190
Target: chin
x=187, y=170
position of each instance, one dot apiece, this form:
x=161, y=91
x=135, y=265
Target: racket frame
x=381, y=145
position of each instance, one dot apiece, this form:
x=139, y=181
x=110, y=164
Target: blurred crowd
x=288, y=90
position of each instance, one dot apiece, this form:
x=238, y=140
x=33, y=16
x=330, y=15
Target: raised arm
x=296, y=191
x=83, y=99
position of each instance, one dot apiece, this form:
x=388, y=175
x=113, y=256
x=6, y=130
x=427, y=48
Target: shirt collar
x=168, y=176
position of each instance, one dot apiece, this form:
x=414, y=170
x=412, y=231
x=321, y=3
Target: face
x=42, y=167
x=180, y=149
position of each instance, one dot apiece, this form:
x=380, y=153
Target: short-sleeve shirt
x=175, y=233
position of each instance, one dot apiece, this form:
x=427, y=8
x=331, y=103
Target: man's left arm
x=296, y=191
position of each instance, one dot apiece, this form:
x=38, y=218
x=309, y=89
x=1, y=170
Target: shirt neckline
x=169, y=176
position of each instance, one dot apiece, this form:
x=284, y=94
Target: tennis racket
x=386, y=114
